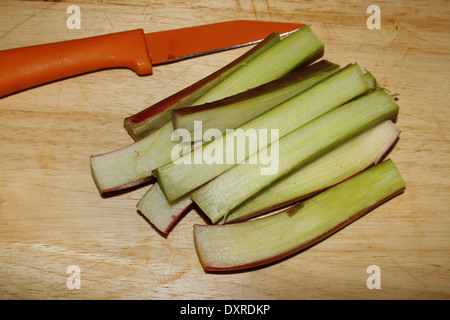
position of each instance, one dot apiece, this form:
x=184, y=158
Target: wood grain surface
x=52, y=216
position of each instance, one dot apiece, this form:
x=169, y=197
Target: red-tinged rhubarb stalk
x=255, y=243
x=133, y=164
x=160, y=212
x=150, y=119
x=339, y=164
x=234, y=111
x=299, y=48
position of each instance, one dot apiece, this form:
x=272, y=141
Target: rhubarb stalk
x=299, y=48
x=234, y=111
x=261, y=241
x=132, y=165
x=160, y=212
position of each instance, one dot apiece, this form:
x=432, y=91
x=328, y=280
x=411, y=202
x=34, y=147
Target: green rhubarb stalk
x=231, y=112
x=181, y=177
x=133, y=164
x=261, y=241
x=299, y=48
x=152, y=118
x=303, y=145
x=346, y=160
x=160, y=212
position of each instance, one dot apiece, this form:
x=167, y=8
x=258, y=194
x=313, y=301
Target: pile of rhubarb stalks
x=326, y=130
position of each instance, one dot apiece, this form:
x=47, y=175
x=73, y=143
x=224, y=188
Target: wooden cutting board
x=52, y=216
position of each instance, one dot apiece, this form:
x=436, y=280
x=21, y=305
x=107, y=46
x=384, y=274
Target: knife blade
x=174, y=45
x=27, y=67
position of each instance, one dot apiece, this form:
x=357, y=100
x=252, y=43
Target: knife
x=27, y=67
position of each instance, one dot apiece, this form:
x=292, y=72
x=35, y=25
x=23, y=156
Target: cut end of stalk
x=159, y=211
x=133, y=164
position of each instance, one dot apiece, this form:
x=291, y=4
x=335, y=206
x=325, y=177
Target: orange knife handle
x=23, y=68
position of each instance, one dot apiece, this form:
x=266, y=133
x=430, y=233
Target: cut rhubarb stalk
x=180, y=177
x=148, y=120
x=297, y=49
x=133, y=164
x=346, y=160
x=160, y=212
x=261, y=241
x=303, y=145
x=232, y=112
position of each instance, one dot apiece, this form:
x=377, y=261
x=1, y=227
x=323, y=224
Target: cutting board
x=55, y=228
